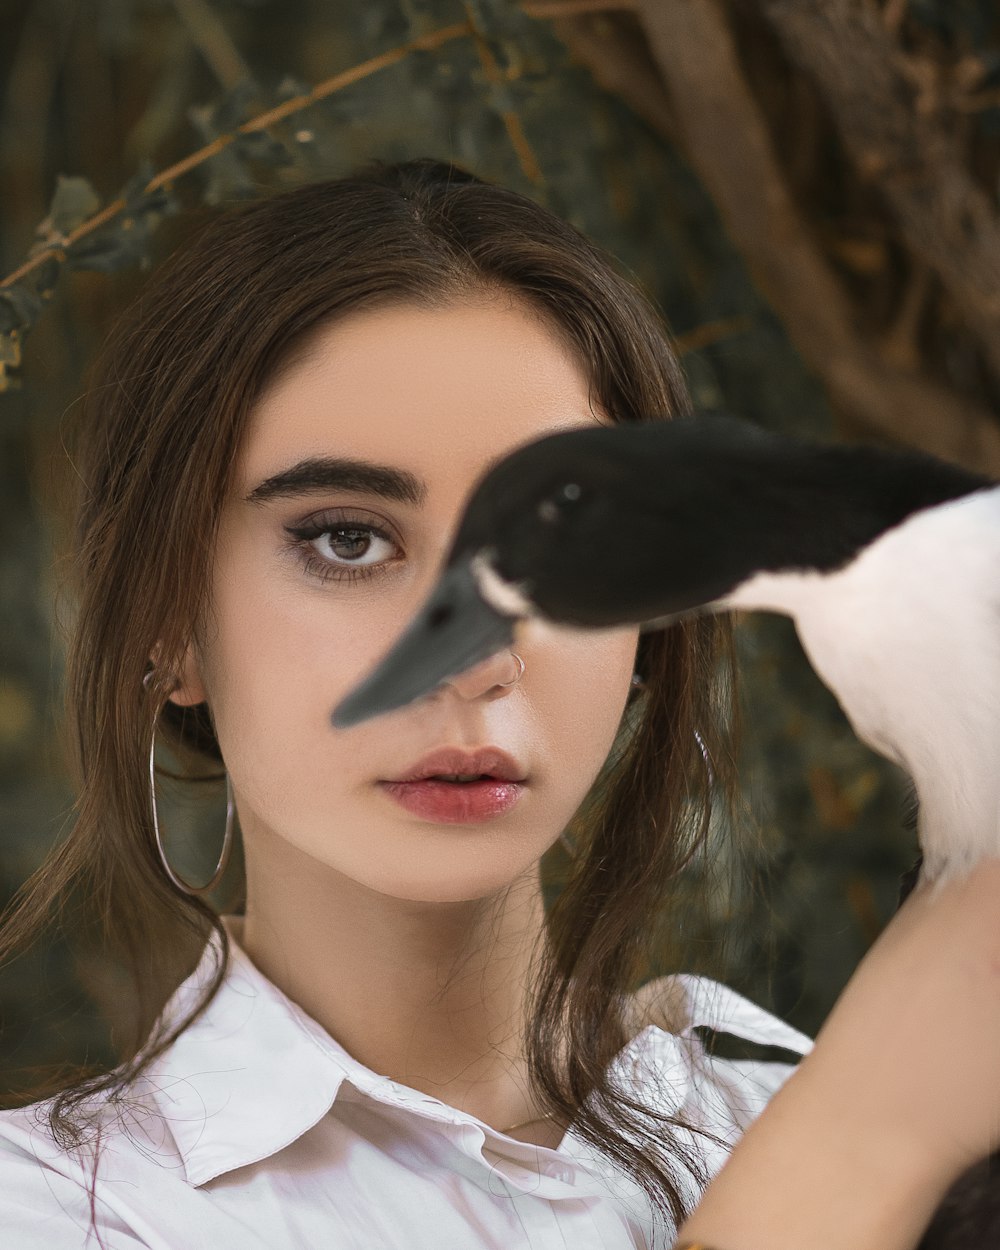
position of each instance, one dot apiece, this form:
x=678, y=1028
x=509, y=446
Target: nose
x=487, y=677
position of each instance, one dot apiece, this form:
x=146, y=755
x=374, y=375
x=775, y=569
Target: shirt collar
x=254, y=1071
x=249, y=1075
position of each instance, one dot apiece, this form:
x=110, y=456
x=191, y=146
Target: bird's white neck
x=505, y=597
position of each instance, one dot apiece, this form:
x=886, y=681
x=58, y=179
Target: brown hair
x=154, y=447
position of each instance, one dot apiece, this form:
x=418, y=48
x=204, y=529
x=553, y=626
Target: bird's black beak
x=455, y=629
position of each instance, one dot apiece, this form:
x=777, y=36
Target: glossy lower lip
x=455, y=802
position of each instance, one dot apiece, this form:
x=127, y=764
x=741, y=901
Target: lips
x=488, y=761
x=455, y=802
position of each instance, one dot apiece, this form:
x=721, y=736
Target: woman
x=387, y=1043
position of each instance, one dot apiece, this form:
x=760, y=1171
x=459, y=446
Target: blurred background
x=808, y=191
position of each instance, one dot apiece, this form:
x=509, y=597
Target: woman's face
x=299, y=613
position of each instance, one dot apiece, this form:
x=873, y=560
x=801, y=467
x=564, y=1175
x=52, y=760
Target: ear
x=188, y=686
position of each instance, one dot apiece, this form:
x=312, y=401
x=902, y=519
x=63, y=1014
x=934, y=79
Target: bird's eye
x=550, y=509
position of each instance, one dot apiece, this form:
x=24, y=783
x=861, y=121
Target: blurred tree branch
x=904, y=148
x=703, y=99
x=678, y=67
x=617, y=54
x=59, y=247
x=64, y=234
x=515, y=131
x=212, y=40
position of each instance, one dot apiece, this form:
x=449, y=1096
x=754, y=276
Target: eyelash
x=317, y=566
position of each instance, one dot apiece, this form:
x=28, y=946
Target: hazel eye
x=349, y=542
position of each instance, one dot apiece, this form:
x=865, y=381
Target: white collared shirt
x=256, y=1130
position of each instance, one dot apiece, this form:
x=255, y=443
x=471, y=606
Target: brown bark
x=728, y=143
x=945, y=217
x=618, y=56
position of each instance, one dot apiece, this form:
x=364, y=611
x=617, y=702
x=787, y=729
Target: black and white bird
x=887, y=562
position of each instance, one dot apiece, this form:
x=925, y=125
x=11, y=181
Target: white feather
x=907, y=636
x=506, y=597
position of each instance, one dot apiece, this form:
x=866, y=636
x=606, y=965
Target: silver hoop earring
x=520, y=674
x=227, y=843
x=572, y=850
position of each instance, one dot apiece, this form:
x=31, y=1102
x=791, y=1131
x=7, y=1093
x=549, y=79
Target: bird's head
x=560, y=529
x=572, y=528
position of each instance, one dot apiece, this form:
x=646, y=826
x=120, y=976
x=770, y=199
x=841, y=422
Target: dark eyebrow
x=321, y=473
x=325, y=473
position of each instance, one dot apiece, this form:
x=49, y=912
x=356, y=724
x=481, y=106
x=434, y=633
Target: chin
x=478, y=870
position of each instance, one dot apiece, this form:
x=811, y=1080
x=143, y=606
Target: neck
x=430, y=995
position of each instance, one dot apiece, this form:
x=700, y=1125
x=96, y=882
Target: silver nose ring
x=519, y=675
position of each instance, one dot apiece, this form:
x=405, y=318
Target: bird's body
x=886, y=561
x=907, y=636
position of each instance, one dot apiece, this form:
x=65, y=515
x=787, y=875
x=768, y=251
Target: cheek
x=584, y=692
x=277, y=661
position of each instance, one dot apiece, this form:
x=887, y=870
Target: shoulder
x=727, y=1093
x=44, y=1198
